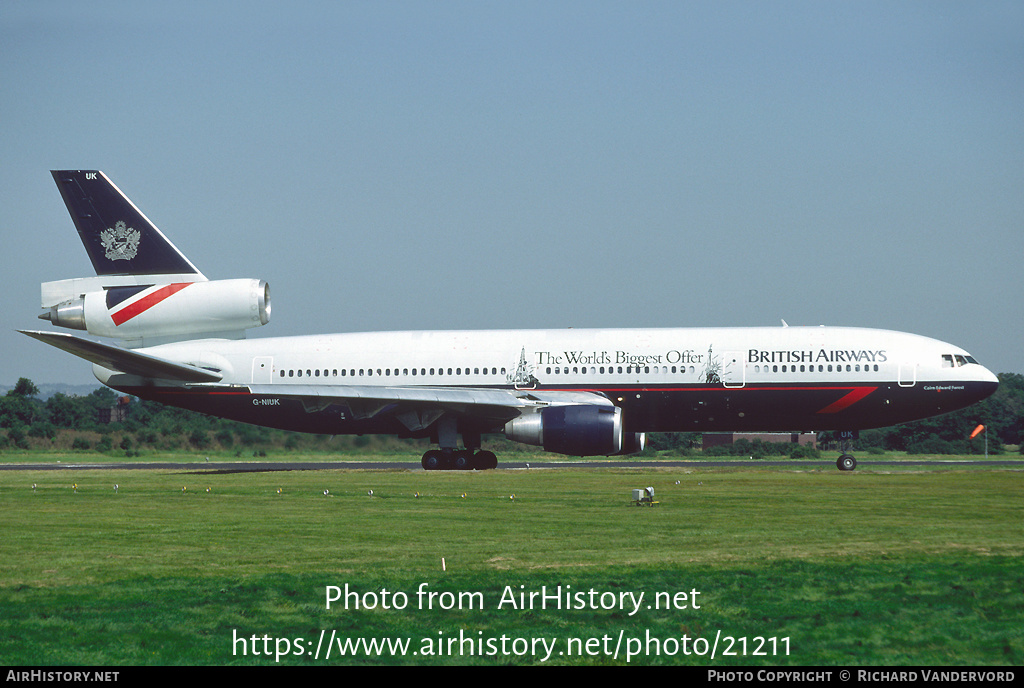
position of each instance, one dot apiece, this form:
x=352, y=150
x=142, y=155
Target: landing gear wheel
x=463, y=460
x=447, y=459
x=485, y=460
x=846, y=462
x=431, y=460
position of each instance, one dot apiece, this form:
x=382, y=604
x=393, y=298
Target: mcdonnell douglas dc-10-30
x=579, y=392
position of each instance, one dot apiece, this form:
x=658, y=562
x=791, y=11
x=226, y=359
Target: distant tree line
x=149, y=424
x=29, y=421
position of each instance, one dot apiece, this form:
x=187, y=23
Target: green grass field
x=799, y=567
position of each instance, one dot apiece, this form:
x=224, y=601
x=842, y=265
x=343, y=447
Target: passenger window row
x=385, y=372
x=849, y=368
x=564, y=370
x=619, y=370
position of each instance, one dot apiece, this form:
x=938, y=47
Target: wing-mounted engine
x=164, y=312
x=576, y=430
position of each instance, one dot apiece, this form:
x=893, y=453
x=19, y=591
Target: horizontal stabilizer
x=131, y=362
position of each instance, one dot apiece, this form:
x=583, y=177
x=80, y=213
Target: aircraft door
x=907, y=374
x=263, y=370
x=734, y=369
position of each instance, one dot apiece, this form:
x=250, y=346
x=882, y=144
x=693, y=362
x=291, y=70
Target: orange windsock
x=977, y=431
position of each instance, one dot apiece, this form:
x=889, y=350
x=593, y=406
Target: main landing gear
x=450, y=458
x=459, y=460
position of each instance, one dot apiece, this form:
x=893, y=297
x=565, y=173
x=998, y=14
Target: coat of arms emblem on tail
x=121, y=242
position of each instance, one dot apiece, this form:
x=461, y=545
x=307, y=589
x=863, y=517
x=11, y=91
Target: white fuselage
x=595, y=357
x=684, y=379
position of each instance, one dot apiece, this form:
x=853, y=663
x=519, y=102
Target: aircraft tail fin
x=120, y=240
x=145, y=292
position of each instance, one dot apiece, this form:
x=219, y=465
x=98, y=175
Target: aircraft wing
x=126, y=361
x=415, y=407
x=418, y=407
x=447, y=395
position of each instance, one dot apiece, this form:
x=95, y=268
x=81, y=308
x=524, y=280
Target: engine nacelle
x=167, y=310
x=578, y=430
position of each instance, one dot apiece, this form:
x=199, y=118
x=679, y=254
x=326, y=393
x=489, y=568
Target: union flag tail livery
x=181, y=341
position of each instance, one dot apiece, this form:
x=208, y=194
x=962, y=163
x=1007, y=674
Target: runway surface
x=271, y=466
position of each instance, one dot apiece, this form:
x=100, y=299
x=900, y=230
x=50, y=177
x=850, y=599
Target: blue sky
x=421, y=165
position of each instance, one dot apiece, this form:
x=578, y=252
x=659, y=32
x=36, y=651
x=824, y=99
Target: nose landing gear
x=846, y=462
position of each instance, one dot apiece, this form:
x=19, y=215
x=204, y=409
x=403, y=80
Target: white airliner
x=574, y=392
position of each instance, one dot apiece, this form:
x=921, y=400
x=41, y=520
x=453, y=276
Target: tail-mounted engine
x=221, y=307
x=579, y=430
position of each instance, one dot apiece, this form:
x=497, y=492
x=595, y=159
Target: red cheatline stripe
x=848, y=400
x=147, y=302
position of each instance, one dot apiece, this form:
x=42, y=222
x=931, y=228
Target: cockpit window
x=947, y=360
x=956, y=360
